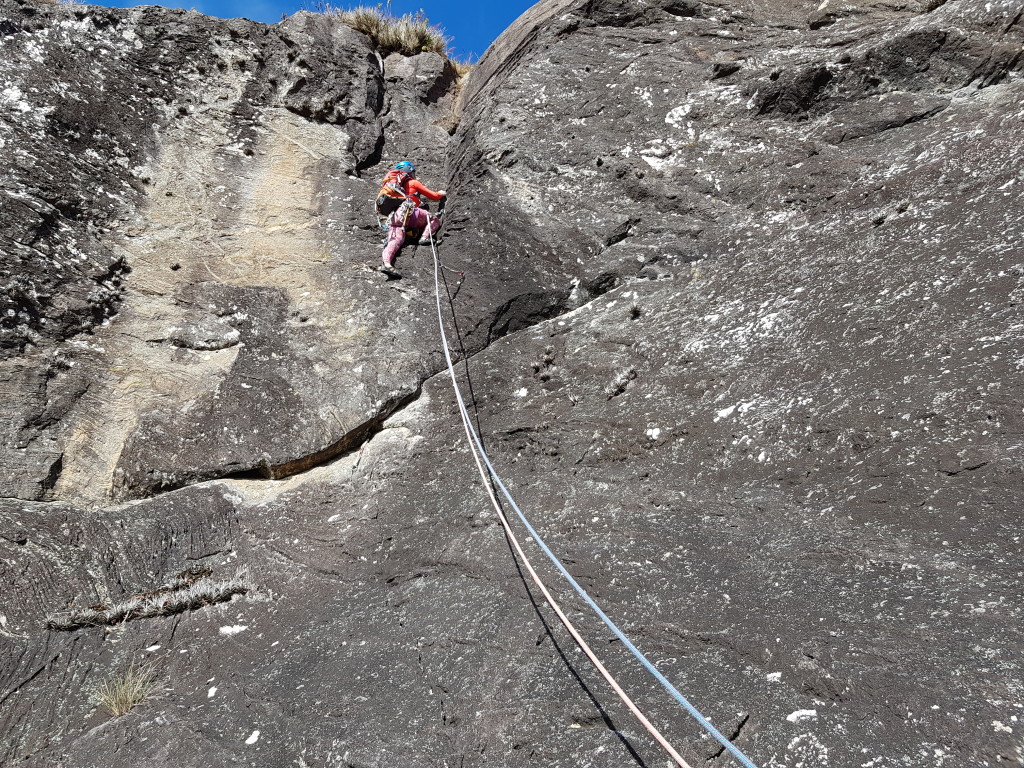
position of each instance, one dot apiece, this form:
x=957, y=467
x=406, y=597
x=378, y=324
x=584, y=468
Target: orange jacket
x=401, y=185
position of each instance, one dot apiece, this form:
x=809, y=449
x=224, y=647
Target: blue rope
x=694, y=712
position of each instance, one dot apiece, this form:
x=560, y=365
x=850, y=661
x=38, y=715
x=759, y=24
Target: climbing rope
x=481, y=459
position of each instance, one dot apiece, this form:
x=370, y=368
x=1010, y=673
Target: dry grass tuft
x=408, y=34
x=462, y=69
x=119, y=694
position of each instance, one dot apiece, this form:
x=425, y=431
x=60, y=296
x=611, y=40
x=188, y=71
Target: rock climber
x=400, y=201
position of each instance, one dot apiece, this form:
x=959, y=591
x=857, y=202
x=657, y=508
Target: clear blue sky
x=473, y=24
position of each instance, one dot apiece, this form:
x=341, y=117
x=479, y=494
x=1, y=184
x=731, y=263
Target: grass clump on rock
x=408, y=34
x=462, y=68
x=120, y=693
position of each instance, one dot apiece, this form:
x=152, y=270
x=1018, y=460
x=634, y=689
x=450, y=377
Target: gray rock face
x=740, y=324
x=242, y=201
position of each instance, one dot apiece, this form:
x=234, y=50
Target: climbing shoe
x=390, y=272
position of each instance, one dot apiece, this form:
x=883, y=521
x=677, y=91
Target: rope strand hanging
x=481, y=459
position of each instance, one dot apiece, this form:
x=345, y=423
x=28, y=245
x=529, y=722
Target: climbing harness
x=481, y=459
x=407, y=207
x=386, y=212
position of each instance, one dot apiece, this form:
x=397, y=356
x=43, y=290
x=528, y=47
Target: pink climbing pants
x=415, y=224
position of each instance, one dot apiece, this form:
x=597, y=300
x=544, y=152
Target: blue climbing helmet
x=405, y=166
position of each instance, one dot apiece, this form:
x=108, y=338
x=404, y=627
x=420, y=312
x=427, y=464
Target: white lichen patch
x=802, y=715
x=13, y=97
x=741, y=407
x=677, y=116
